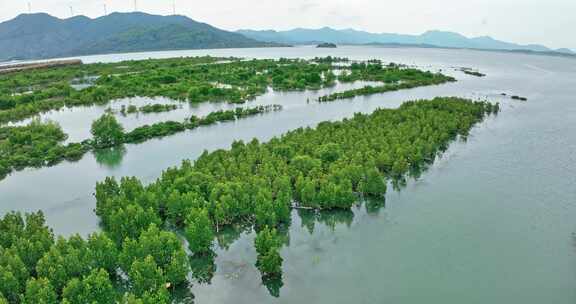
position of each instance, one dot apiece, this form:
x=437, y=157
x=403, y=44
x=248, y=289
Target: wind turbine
x=174, y=7
x=71, y=11
x=105, y=10
x=135, y=5
x=29, y=8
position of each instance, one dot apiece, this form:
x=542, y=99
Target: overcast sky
x=548, y=22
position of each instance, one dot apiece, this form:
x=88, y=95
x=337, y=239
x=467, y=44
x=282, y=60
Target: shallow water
x=77, y=121
x=492, y=221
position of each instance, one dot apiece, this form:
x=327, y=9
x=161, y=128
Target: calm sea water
x=492, y=221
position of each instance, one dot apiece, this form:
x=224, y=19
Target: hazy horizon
x=522, y=22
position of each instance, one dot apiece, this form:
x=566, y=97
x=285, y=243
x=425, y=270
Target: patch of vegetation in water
x=183, y=79
x=252, y=185
x=195, y=79
x=147, y=109
x=323, y=168
x=331, y=59
x=515, y=97
x=191, y=79
x=40, y=144
x=375, y=70
x=35, y=145
x=472, y=72
x=395, y=77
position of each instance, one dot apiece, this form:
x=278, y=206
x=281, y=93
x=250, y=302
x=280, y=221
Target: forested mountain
x=30, y=36
x=350, y=36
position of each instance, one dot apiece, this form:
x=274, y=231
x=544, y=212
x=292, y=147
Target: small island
x=327, y=45
x=516, y=97
x=471, y=72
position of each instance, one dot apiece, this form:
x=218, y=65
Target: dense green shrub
x=37, y=268
x=35, y=145
x=267, y=244
x=107, y=132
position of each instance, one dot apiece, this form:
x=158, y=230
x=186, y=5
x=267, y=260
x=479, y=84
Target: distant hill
x=427, y=39
x=31, y=36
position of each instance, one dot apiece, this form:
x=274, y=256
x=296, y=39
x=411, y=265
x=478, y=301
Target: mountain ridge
x=430, y=38
x=40, y=35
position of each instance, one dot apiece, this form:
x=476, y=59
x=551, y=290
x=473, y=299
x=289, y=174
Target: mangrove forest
x=140, y=256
